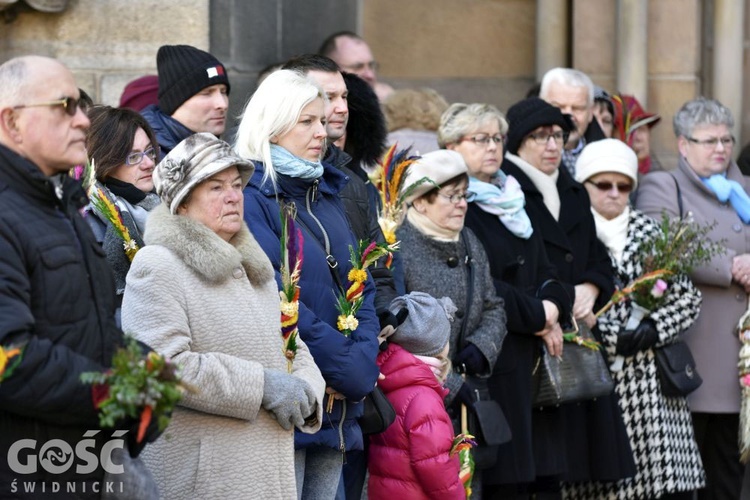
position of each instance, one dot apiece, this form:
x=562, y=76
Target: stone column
x=729, y=18
x=632, y=49
x=552, y=35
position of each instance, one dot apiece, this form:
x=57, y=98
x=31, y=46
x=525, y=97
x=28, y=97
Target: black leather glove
x=152, y=434
x=644, y=337
x=471, y=360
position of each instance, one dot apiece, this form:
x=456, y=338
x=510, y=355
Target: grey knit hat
x=427, y=327
x=193, y=161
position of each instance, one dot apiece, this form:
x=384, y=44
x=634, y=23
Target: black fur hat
x=366, y=133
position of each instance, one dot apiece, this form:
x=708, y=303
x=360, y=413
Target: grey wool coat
x=712, y=338
x=213, y=307
x=428, y=268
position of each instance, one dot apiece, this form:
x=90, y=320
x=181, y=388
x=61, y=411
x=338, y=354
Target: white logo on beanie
x=215, y=71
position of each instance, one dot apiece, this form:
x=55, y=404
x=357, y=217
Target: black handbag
x=487, y=423
x=378, y=413
x=580, y=374
x=676, y=370
x=675, y=365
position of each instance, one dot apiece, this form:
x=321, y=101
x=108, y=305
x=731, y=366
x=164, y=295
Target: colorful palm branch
x=388, y=178
x=291, y=271
x=105, y=206
x=350, y=300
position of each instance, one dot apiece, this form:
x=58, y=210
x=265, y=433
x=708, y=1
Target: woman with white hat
x=659, y=427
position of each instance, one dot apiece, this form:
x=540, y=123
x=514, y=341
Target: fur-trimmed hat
x=607, y=155
x=193, y=161
x=526, y=116
x=426, y=329
x=438, y=166
x=183, y=72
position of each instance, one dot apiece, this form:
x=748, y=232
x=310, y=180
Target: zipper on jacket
x=312, y=192
x=342, y=443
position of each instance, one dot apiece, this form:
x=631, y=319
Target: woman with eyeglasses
x=122, y=149
x=588, y=440
x=708, y=186
x=659, y=426
x=535, y=300
x=442, y=258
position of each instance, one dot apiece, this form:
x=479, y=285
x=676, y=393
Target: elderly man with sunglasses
x=56, y=293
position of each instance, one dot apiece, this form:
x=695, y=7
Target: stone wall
x=107, y=43
x=468, y=50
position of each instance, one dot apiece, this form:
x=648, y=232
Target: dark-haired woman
x=122, y=149
x=593, y=436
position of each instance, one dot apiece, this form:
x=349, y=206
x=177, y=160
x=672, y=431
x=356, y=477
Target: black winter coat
x=521, y=272
x=595, y=441
x=57, y=298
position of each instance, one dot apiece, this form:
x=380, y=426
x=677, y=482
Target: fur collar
x=210, y=257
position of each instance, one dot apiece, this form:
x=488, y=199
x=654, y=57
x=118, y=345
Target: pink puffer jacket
x=410, y=460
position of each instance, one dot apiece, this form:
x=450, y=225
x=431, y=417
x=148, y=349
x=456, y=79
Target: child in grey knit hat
x=412, y=458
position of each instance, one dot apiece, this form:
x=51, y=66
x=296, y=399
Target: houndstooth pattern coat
x=660, y=428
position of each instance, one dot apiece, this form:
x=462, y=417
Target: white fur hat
x=607, y=155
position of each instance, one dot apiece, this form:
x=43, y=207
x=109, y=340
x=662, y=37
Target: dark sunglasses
x=607, y=186
x=69, y=104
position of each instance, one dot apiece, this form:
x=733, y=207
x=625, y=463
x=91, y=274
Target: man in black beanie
x=193, y=95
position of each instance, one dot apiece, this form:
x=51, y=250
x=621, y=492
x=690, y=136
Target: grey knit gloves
x=289, y=399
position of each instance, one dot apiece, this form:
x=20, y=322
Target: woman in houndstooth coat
x=659, y=427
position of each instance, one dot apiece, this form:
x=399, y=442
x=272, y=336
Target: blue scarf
x=725, y=189
x=504, y=198
x=286, y=163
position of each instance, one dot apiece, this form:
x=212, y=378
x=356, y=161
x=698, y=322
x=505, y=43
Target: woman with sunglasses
x=659, y=426
x=523, y=276
x=587, y=441
x=708, y=186
x=122, y=149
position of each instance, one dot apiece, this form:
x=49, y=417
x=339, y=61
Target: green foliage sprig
x=140, y=387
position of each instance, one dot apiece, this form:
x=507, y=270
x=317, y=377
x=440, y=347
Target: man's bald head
x=34, y=121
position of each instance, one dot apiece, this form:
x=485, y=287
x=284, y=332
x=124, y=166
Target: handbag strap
x=469, y=286
x=330, y=259
x=679, y=193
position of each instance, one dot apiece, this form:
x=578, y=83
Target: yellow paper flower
x=357, y=275
x=388, y=227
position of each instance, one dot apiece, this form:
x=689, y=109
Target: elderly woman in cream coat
x=203, y=292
